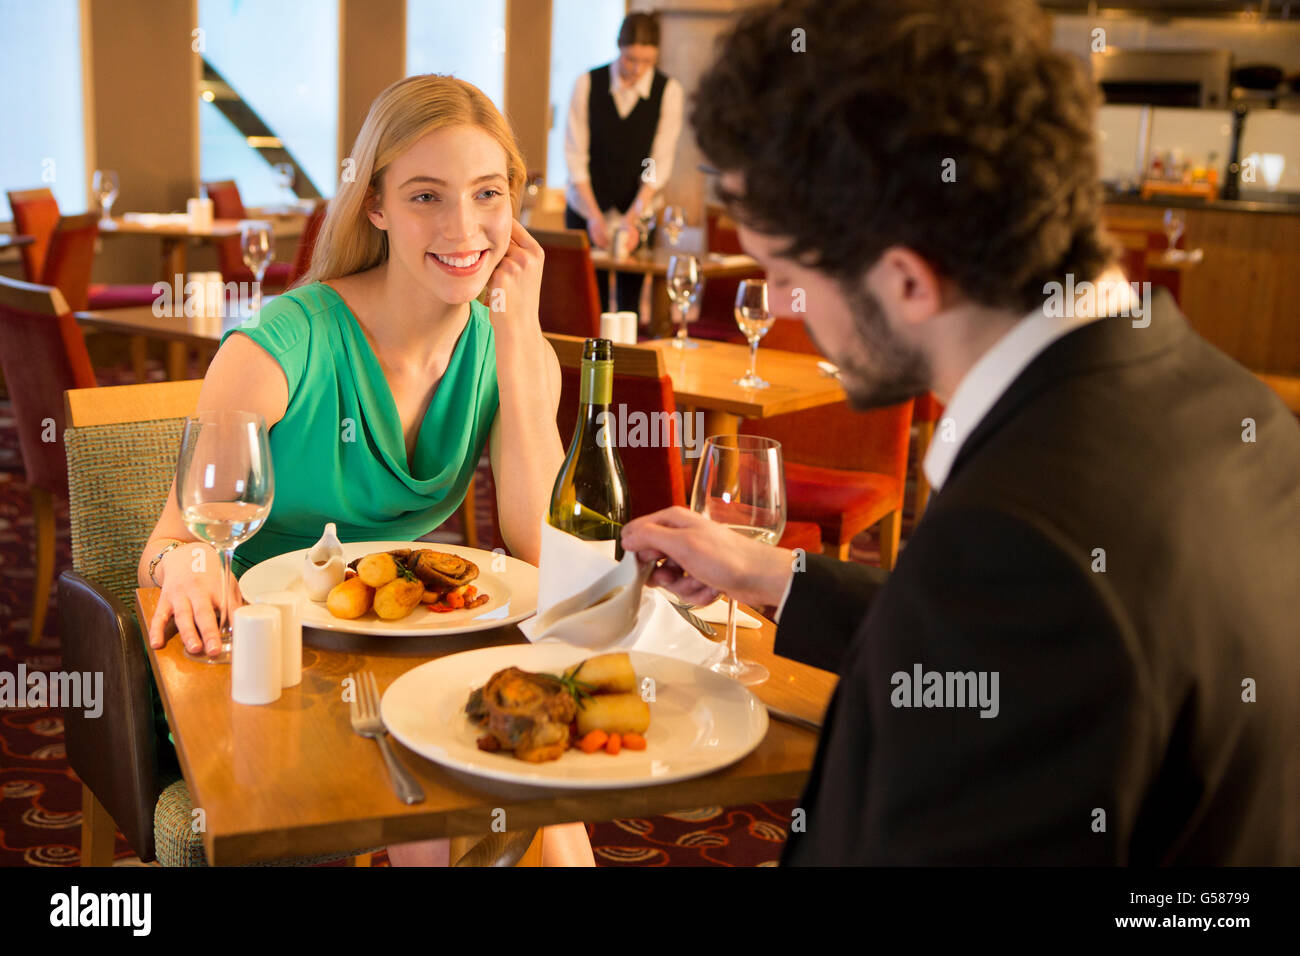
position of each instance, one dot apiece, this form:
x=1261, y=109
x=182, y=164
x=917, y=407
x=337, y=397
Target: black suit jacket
x=1121, y=734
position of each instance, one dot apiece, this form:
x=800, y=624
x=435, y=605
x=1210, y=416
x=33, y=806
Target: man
x=624, y=120
x=1087, y=652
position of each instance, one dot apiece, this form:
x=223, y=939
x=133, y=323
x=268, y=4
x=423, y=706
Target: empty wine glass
x=1174, y=225
x=674, y=223
x=224, y=489
x=685, y=285
x=105, y=185
x=741, y=484
x=285, y=173
x=754, y=320
x=256, y=244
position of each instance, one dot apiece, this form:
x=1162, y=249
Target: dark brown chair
x=42, y=353
x=570, y=304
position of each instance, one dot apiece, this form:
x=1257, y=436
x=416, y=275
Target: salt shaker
x=323, y=565
x=255, y=654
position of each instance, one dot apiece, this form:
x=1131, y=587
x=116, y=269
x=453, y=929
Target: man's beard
x=878, y=368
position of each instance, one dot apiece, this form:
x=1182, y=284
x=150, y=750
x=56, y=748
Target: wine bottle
x=590, y=498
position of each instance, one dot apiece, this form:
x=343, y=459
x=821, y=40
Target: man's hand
x=598, y=231
x=705, y=559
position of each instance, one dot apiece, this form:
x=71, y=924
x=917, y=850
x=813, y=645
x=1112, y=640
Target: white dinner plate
x=511, y=589
x=699, y=721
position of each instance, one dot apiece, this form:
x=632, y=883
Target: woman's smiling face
x=445, y=205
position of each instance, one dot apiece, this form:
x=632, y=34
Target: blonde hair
x=399, y=117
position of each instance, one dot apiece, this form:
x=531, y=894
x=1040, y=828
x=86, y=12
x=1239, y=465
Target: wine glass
x=685, y=285
x=258, y=249
x=754, y=320
x=645, y=218
x=741, y=484
x=286, y=174
x=1174, y=225
x=105, y=185
x=224, y=488
x=674, y=223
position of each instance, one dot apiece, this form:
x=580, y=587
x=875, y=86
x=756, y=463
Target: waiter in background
x=624, y=120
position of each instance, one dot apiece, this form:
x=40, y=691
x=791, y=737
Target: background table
x=654, y=263
x=291, y=778
x=704, y=379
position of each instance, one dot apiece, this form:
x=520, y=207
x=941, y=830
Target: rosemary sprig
x=580, y=690
x=403, y=571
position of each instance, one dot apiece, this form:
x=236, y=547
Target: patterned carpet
x=40, y=796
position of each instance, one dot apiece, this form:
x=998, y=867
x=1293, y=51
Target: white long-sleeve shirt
x=577, y=133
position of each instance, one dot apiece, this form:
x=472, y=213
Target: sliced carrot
x=455, y=601
x=594, y=740
x=613, y=744
x=469, y=592
x=634, y=742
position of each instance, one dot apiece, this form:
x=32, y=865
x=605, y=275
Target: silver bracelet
x=158, y=557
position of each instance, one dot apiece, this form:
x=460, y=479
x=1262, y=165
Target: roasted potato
x=398, y=598
x=350, y=599
x=608, y=674
x=377, y=569
x=614, y=714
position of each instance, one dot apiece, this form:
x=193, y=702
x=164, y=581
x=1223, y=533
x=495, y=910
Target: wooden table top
x=712, y=265
x=705, y=378
x=141, y=320
x=1184, y=262
x=220, y=228
x=291, y=778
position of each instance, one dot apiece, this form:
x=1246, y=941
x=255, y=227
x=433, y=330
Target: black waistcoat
x=620, y=146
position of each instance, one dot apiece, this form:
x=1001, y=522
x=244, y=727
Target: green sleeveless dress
x=339, y=454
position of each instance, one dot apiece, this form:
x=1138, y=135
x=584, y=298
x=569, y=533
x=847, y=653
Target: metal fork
x=697, y=622
x=364, y=712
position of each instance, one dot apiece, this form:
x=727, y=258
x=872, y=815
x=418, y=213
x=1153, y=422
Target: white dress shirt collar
x=642, y=86
x=986, y=381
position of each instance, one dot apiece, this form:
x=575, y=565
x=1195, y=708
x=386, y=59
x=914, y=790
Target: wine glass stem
x=733, y=659
x=227, y=554
x=257, y=288
x=753, y=360
x=681, y=324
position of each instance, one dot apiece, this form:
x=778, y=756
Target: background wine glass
x=741, y=484
x=685, y=285
x=674, y=223
x=258, y=249
x=754, y=319
x=224, y=489
x=1175, y=223
x=105, y=185
x=287, y=174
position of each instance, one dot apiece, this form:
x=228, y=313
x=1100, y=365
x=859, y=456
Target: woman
x=381, y=377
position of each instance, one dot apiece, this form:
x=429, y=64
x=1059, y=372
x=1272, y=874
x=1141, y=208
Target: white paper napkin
x=568, y=565
x=716, y=613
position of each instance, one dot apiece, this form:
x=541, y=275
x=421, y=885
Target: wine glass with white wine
x=685, y=285
x=255, y=242
x=754, y=320
x=674, y=223
x=741, y=484
x=224, y=489
x=105, y=185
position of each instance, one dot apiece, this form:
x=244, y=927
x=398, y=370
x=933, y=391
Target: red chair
x=226, y=204
x=307, y=244
x=717, y=318
x=69, y=258
x=656, y=477
x=42, y=354
x=36, y=213
x=844, y=470
x=570, y=304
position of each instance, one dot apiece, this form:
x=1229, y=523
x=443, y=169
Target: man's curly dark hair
x=843, y=146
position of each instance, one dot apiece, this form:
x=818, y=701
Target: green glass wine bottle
x=590, y=499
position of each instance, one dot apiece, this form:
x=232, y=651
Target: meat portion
x=527, y=713
x=440, y=571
